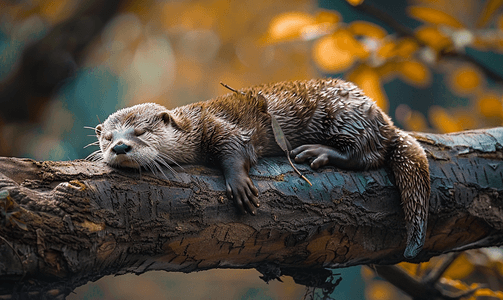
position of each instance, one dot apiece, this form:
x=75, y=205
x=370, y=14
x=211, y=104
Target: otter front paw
x=240, y=188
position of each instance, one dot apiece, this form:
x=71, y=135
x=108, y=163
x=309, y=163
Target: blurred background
x=434, y=66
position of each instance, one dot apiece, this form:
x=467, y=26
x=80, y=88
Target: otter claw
x=229, y=191
x=244, y=194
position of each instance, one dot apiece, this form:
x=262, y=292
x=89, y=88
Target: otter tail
x=410, y=167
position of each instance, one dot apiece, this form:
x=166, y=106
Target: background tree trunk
x=64, y=223
x=48, y=62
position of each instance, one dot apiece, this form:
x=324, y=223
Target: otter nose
x=121, y=148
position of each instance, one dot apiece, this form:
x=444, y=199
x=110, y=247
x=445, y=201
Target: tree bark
x=64, y=223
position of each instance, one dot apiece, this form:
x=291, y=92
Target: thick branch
x=85, y=220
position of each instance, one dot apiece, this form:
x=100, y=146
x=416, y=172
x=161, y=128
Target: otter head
x=137, y=137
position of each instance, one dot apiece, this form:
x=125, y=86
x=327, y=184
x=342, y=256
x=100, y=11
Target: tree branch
x=65, y=223
x=422, y=288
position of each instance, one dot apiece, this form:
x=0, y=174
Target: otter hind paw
x=321, y=155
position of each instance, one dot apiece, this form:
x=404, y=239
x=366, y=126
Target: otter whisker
x=155, y=169
x=164, y=163
x=92, y=144
x=160, y=169
x=165, y=159
x=95, y=156
x=146, y=164
x=138, y=162
x=168, y=158
x=92, y=128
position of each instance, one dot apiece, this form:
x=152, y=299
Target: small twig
x=232, y=89
x=295, y=169
x=283, y=143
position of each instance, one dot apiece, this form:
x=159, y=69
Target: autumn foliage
x=370, y=56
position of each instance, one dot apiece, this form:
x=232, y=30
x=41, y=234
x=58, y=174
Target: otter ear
x=98, y=129
x=168, y=119
x=175, y=121
x=261, y=103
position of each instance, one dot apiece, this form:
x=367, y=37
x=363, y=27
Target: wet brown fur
x=233, y=130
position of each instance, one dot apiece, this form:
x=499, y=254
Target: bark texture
x=64, y=223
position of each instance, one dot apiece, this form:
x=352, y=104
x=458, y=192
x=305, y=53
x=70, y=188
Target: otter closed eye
x=327, y=121
x=138, y=131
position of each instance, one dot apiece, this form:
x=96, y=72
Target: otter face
x=133, y=137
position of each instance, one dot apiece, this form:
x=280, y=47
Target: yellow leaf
x=485, y=292
x=325, y=23
x=490, y=8
x=328, y=16
x=329, y=57
x=461, y=268
x=337, y=52
x=500, y=22
x=409, y=267
x=433, y=16
x=387, y=49
x=481, y=43
x=355, y=2
x=465, y=80
x=367, y=29
x=490, y=105
x=442, y=121
x=369, y=81
x=406, y=47
x=415, y=73
x=432, y=37
x=288, y=26
x=380, y=290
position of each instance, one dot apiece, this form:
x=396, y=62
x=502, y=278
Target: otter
x=326, y=121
